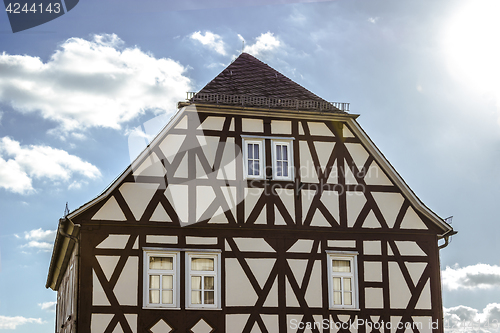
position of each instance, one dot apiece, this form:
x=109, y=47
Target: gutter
x=66, y=239
x=446, y=237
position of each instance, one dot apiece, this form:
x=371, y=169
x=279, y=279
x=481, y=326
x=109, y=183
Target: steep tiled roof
x=249, y=81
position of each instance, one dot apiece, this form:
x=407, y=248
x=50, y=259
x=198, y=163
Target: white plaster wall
x=99, y=322
x=177, y=195
x=307, y=169
x=374, y=298
x=372, y=247
x=398, y=289
x=98, y=295
x=161, y=239
x=201, y=240
x=281, y=127
x=252, y=244
x=317, y=128
x=239, y=290
x=126, y=288
x=314, y=290
x=114, y=242
x=341, y=243
x=170, y=145
x=252, y=125
x=138, y=196
x=110, y=211
x=373, y=271
x=213, y=123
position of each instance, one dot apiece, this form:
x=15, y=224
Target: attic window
x=282, y=160
x=254, y=158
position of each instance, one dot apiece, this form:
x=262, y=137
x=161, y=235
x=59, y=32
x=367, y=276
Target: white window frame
x=217, y=279
x=262, y=158
x=176, y=281
x=288, y=144
x=352, y=257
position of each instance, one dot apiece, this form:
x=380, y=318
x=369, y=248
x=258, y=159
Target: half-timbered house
x=260, y=207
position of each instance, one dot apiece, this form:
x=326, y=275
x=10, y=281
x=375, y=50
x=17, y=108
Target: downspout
x=446, y=237
x=61, y=231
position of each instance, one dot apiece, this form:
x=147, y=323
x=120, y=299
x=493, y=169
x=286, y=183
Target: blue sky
x=423, y=75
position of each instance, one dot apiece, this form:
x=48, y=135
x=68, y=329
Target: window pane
x=168, y=282
x=250, y=151
x=256, y=168
x=166, y=263
x=278, y=152
x=195, y=282
x=337, y=298
x=251, y=170
x=336, y=283
x=154, y=296
x=195, y=297
x=209, y=283
x=285, y=169
x=279, y=165
x=343, y=266
x=154, y=282
x=202, y=264
x=167, y=297
x=347, y=284
x=256, y=151
x=209, y=297
x=285, y=153
x=347, y=298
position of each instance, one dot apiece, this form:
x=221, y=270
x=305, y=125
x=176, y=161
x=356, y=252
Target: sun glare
x=472, y=44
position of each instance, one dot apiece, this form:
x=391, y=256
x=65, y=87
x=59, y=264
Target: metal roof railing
x=284, y=103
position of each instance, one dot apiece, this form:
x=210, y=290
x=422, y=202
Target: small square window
x=203, y=280
x=161, y=279
x=342, y=281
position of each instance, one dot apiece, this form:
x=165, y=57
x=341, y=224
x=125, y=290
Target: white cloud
x=49, y=306
x=96, y=83
x=265, y=42
x=19, y=165
x=44, y=246
x=373, y=20
x=13, y=322
x=463, y=318
x=40, y=235
x=213, y=41
x=479, y=276
x=39, y=239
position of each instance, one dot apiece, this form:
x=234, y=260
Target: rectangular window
x=342, y=280
x=161, y=279
x=254, y=159
x=203, y=280
x=282, y=160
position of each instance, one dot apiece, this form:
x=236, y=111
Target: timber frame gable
x=277, y=241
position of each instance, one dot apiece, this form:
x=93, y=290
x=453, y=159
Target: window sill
x=216, y=309
x=160, y=308
x=341, y=308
